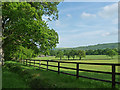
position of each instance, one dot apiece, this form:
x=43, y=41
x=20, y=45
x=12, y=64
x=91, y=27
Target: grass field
x=66, y=81
x=48, y=79
x=90, y=59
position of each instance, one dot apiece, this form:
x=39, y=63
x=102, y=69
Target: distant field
x=89, y=58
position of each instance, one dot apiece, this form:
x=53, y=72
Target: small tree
x=80, y=54
x=60, y=54
x=67, y=53
x=73, y=53
x=53, y=52
x=111, y=53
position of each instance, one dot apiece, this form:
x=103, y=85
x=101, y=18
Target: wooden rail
x=113, y=73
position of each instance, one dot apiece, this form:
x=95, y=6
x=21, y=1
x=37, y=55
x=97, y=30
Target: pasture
x=88, y=59
x=66, y=81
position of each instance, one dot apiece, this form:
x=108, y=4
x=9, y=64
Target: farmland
x=88, y=59
x=66, y=81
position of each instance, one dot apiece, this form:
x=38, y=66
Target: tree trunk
x=68, y=57
x=80, y=58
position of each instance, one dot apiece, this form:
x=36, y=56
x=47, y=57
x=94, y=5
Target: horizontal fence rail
x=77, y=69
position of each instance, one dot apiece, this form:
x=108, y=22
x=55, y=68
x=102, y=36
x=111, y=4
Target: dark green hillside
x=99, y=46
x=93, y=47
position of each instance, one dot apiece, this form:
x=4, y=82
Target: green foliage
x=67, y=53
x=73, y=53
x=60, y=54
x=23, y=53
x=53, y=52
x=22, y=25
x=111, y=53
x=80, y=54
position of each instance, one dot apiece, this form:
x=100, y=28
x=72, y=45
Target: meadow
x=88, y=59
x=54, y=80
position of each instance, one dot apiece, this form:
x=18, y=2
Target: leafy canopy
x=22, y=25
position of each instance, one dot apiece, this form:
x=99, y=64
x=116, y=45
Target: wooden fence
x=77, y=69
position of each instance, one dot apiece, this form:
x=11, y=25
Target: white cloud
x=113, y=32
x=109, y=11
x=106, y=34
x=87, y=15
x=69, y=15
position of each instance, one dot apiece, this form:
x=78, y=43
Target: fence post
x=58, y=67
x=34, y=63
x=39, y=64
x=47, y=65
x=77, y=70
x=113, y=76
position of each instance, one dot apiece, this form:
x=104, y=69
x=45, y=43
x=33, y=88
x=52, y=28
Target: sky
x=86, y=23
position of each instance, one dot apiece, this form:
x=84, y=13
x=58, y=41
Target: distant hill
x=93, y=47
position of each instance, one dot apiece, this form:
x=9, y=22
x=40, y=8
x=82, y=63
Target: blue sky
x=86, y=23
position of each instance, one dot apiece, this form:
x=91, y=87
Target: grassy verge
x=12, y=80
x=48, y=79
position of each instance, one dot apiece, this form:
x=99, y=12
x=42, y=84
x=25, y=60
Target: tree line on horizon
x=82, y=53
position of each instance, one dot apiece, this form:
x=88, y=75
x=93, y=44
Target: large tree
x=67, y=53
x=23, y=25
x=73, y=53
x=80, y=54
x=60, y=54
x=111, y=53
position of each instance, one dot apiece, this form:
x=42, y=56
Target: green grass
x=48, y=79
x=89, y=59
x=12, y=80
x=42, y=78
x=97, y=59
